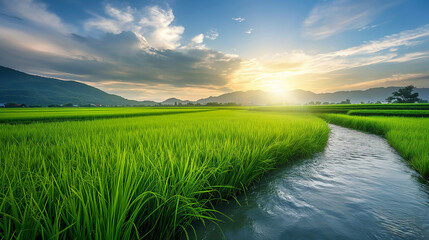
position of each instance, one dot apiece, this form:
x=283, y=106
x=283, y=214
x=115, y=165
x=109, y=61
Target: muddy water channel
x=358, y=188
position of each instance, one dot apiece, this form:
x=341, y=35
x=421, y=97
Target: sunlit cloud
x=152, y=24
x=394, y=80
x=159, y=92
x=249, y=31
x=410, y=57
x=135, y=47
x=198, y=39
x=295, y=67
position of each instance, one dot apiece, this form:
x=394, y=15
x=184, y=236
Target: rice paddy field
x=29, y=115
x=150, y=173
x=147, y=176
x=344, y=108
x=400, y=113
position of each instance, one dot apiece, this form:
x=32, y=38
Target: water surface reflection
x=358, y=188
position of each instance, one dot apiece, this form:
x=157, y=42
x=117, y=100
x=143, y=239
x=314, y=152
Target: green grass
x=399, y=113
x=342, y=108
x=139, y=177
x=29, y=115
x=409, y=136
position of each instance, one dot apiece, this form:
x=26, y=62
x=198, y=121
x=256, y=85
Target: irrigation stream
x=358, y=188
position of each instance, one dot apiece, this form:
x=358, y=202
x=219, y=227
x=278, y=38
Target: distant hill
x=253, y=97
x=356, y=96
x=173, y=101
x=24, y=88
x=257, y=97
x=29, y=89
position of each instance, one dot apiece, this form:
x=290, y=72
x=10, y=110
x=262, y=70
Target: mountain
x=175, y=101
x=258, y=97
x=356, y=96
x=252, y=97
x=24, y=88
x=28, y=89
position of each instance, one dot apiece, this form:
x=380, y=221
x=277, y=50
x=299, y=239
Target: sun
x=277, y=87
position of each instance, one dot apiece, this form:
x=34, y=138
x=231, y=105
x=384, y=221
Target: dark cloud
x=138, y=47
x=124, y=58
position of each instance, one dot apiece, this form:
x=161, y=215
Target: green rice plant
x=30, y=115
x=409, y=136
x=399, y=113
x=139, y=177
x=343, y=108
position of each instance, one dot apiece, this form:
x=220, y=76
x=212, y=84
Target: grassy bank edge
x=391, y=113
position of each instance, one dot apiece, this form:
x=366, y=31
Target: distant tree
x=347, y=101
x=422, y=101
x=231, y=104
x=404, y=95
x=318, y=102
x=378, y=102
x=68, y=105
x=213, y=104
x=13, y=105
x=326, y=103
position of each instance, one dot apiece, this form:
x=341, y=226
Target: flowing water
x=358, y=188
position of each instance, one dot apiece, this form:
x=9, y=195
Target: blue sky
x=192, y=49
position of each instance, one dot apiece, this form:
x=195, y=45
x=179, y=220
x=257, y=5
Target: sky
x=154, y=50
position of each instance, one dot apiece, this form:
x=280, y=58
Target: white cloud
x=163, y=35
x=333, y=17
x=152, y=24
x=212, y=34
x=116, y=22
x=198, y=39
x=238, y=19
x=367, y=27
x=34, y=12
x=405, y=38
x=124, y=16
x=249, y=31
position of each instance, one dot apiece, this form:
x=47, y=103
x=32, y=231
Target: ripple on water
x=358, y=188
